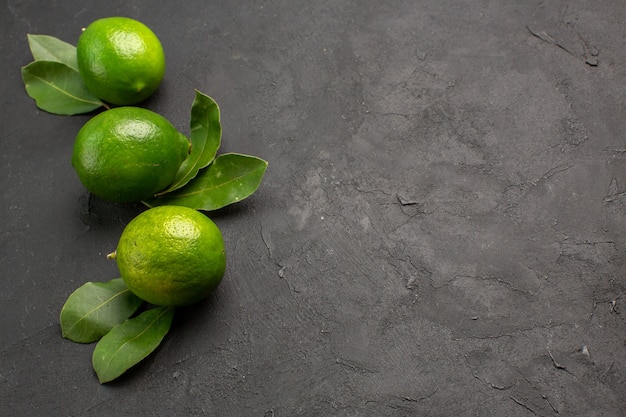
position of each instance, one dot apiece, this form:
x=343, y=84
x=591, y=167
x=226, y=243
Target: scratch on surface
x=512, y=333
x=265, y=241
x=545, y=397
x=346, y=364
x=613, y=308
x=29, y=336
x=613, y=197
x=406, y=201
x=17, y=15
x=357, y=187
x=519, y=402
x=481, y=278
x=558, y=365
x=534, y=387
x=586, y=250
x=605, y=373
x=425, y=397
x=546, y=37
x=491, y=384
x=590, y=54
x=552, y=172
x=419, y=399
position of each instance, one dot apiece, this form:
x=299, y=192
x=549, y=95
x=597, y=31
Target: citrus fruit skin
x=120, y=60
x=171, y=256
x=128, y=154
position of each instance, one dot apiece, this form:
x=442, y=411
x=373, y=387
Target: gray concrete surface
x=441, y=231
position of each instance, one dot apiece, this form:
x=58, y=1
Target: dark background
x=441, y=230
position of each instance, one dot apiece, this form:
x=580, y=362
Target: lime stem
x=112, y=255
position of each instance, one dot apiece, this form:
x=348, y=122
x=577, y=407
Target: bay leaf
x=129, y=343
x=49, y=48
x=231, y=177
x=93, y=309
x=206, y=137
x=58, y=88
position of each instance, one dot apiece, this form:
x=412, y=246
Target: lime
x=120, y=60
x=171, y=255
x=128, y=154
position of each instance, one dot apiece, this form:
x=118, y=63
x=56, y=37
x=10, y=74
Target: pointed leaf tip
x=205, y=138
x=49, y=48
x=229, y=179
x=129, y=343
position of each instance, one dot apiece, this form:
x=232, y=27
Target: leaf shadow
x=186, y=323
x=232, y=210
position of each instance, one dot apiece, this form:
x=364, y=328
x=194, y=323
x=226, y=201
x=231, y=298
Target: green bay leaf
x=231, y=177
x=49, y=48
x=57, y=88
x=129, y=343
x=206, y=136
x=93, y=309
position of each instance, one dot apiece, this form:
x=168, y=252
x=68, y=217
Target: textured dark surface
x=441, y=230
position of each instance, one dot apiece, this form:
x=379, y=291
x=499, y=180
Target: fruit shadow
x=189, y=320
x=96, y=212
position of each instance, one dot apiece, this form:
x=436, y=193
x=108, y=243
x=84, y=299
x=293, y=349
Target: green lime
x=120, y=60
x=128, y=154
x=171, y=256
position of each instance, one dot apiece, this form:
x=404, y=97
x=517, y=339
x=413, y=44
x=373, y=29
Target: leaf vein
x=97, y=309
x=54, y=86
x=202, y=190
x=114, y=354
